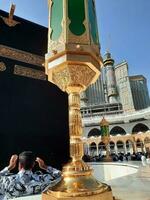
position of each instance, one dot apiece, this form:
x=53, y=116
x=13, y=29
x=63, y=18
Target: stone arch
x=94, y=132
x=129, y=146
x=140, y=127
x=120, y=146
x=147, y=140
x=138, y=143
x=117, y=130
x=101, y=146
x=129, y=143
x=86, y=150
x=92, y=148
x=112, y=145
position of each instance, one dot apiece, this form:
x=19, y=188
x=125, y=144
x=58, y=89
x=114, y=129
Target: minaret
x=110, y=79
x=73, y=63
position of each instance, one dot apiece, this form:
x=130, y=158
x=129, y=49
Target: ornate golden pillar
x=97, y=150
x=73, y=62
x=116, y=148
x=134, y=145
x=125, y=148
x=142, y=146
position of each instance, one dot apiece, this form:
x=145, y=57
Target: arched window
x=140, y=128
x=117, y=130
x=94, y=132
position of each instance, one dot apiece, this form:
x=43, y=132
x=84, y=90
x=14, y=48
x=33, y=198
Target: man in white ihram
x=25, y=182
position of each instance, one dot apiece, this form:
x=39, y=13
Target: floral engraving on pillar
x=73, y=75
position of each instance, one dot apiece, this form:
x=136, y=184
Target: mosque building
x=124, y=101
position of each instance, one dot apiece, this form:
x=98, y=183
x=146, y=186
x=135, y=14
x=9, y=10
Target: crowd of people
x=26, y=182
x=117, y=157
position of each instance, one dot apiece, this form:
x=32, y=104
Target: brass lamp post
x=105, y=135
x=72, y=63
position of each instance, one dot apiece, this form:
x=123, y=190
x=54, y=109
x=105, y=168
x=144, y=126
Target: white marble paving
x=134, y=186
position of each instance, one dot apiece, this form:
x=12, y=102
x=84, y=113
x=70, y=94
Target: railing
x=145, y=113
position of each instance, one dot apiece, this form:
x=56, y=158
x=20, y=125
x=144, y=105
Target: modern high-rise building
x=95, y=93
x=124, y=87
x=139, y=92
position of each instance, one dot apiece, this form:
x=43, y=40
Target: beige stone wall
x=137, y=143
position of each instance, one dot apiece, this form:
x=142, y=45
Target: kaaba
x=34, y=112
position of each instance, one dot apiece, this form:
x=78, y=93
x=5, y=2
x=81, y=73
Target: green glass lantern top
x=76, y=14
x=105, y=131
x=93, y=21
x=104, y=124
x=56, y=19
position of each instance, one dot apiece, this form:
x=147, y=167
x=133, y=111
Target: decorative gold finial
x=104, y=122
x=12, y=11
x=9, y=21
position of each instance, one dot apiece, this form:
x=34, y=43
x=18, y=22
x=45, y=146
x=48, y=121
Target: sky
x=124, y=28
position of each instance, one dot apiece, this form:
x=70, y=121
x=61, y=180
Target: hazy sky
x=124, y=28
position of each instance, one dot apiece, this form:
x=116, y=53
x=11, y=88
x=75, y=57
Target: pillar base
x=79, y=187
x=107, y=195
x=108, y=159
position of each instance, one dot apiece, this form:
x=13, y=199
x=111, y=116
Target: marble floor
x=134, y=186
